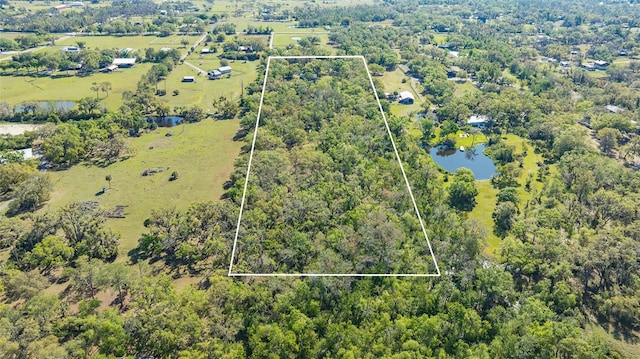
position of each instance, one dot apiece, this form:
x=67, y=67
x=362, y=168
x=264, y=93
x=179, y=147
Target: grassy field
x=202, y=153
x=18, y=89
x=204, y=91
x=463, y=88
x=628, y=348
x=138, y=42
x=392, y=81
x=290, y=37
x=486, y=199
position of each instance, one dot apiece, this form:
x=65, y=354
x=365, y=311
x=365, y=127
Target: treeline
x=314, y=16
x=325, y=144
x=42, y=22
x=344, y=202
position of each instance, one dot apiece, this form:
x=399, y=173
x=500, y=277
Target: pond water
x=473, y=159
x=48, y=106
x=167, y=121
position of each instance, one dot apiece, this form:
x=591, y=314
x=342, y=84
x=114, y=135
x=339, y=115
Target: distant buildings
x=110, y=68
x=124, y=62
x=479, y=121
x=589, y=66
x=217, y=73
x=595, y=65
x=71, y=49
x=600, y=65
x=214, y=75
x=406, y=98
x=614, y=109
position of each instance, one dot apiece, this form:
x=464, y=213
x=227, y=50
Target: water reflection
x=471, y=158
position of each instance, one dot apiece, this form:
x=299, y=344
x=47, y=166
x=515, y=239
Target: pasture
x=136, y=42
x=19, y=89
x=203, y=154
x=204, y=91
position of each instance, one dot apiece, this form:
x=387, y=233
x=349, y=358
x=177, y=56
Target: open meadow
x=203, y=154
x=397, y=80
x=203, y=91
x=135, y=42
x=19, y=89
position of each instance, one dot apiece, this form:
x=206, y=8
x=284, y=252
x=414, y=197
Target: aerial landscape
x=320, y=179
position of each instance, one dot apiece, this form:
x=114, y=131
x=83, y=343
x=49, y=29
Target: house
x=214, y=75
x=478, y=121
x=77, y=5
x=600, y=65
x=71, y=49
x=452, y=71
x=124, y=62
x=205, y=51
x=589, y=66
x=224, y=70
x=163, y=12
x=59, y=8
x=406, y=98
x=247, y=49
x=165, y=49
x=189, y=79
x=110, y=68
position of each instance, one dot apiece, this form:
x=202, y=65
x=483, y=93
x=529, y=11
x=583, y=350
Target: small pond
x=48, y=106
x=167, y=121
x=473, y=159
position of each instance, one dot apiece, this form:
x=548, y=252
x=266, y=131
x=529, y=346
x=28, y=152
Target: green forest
x=326, y=193
x=539, y=261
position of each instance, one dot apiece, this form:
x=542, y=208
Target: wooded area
x=540, y=261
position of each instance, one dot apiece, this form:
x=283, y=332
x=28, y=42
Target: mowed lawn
x=486, y=199
x=203, y=154
x=292, y=36
x=204, y=91
x=19, y=89
x=392, y=81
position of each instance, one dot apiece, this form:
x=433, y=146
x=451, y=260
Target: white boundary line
x=404, y=175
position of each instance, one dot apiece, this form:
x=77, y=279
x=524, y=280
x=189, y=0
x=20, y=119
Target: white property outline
x=406, y=180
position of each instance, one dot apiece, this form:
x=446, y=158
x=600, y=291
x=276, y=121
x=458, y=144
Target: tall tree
x=463, y=191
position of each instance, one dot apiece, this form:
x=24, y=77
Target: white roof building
x=405, y=97
x=614, y=108
x=124, y=62
x=478, y=121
